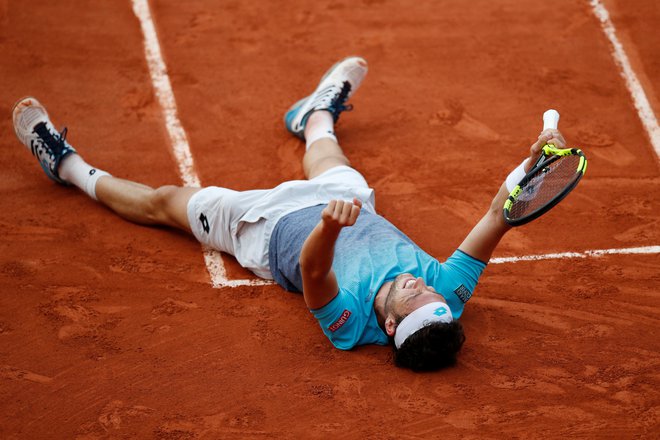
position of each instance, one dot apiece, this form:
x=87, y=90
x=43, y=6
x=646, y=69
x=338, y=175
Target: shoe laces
x=56, y=142
x=333, y=99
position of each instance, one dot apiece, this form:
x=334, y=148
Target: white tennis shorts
x=240, y=223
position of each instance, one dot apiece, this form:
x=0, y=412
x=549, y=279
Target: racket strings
x=546, y=184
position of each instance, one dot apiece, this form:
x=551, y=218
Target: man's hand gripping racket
x=550, y=179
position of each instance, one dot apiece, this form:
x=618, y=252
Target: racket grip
x=550, y=119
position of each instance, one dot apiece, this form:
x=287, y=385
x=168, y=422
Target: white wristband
x=516, y=176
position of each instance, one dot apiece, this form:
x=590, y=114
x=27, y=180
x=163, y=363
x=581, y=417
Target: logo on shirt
x=463, y=293
x=341, y=321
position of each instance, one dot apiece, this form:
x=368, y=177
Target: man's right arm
x=317, y=254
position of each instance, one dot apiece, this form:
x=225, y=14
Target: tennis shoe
x=35, y=130
x=336, y=87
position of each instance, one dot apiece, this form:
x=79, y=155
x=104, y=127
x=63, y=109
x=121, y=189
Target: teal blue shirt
x=368, y=254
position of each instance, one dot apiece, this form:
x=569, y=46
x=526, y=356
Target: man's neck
x=379, y=303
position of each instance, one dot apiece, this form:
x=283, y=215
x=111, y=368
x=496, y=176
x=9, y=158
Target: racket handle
x=550, y=119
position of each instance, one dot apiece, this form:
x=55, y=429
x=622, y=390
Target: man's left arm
x=485, y=236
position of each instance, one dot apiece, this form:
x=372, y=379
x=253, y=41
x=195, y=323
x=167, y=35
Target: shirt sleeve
x=341, y=320
x=459, y=276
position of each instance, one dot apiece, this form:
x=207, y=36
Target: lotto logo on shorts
x=205, y=223
x=341, y=321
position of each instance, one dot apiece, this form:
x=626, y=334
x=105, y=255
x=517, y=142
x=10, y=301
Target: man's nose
x=419, y=282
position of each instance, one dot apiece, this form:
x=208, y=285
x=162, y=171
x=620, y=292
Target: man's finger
x=551, y=131
x=345, y=213
x=355, y=212
x=557, y=142
x=535, y=151
x=338, y=208
x=536, y=146
x=330, y=209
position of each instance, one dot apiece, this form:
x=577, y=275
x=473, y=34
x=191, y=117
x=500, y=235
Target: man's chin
x=391, y=292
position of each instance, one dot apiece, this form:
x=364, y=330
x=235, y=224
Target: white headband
x=427, y=314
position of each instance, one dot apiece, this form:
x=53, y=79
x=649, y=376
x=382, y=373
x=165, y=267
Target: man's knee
x=161, y=204
x=323, y=164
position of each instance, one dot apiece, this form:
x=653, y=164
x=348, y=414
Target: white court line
x=165, y=95
x=178, y=138
x=646, y=114
x=585, y=254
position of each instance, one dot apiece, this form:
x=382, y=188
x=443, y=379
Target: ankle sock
x=319, y=125
x=76, y=171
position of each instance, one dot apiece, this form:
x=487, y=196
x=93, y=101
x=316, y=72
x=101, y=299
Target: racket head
x=554, y=176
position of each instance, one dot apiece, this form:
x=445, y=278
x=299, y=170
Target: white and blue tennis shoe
x=336, y=87
x=34, y=129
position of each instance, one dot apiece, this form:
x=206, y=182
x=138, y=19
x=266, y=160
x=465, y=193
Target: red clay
x=111, y=330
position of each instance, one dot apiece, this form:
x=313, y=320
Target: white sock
x=75, y=170
x=320, y=124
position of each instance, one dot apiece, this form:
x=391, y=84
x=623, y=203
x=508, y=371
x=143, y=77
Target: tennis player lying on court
x=363, y=279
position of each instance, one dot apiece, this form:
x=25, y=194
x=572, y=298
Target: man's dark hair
x=432, y=347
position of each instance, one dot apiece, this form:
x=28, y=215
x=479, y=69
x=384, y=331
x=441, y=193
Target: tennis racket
x=552, y=177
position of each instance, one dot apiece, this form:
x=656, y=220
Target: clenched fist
x=339, y=214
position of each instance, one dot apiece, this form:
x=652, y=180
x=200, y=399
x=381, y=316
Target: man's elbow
x=310, y=270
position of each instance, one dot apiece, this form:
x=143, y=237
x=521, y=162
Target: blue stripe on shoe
x=290, y=115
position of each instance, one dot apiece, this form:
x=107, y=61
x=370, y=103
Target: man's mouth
x=409, y=283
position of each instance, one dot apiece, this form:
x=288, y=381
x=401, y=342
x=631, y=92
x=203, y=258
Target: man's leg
x=313, y=117
x=323, y=153
x=142, y=204
x=60, y=161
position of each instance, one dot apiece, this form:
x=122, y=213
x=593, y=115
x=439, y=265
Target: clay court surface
x=112, y=330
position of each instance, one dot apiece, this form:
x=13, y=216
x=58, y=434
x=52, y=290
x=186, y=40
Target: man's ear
x=390, y=325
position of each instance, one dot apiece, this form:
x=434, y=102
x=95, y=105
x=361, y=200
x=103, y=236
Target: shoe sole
x=21, y=105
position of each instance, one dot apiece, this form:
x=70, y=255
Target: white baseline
x=584, y=254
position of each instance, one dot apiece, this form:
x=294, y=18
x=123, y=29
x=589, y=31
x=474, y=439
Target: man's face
x=407, y=294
